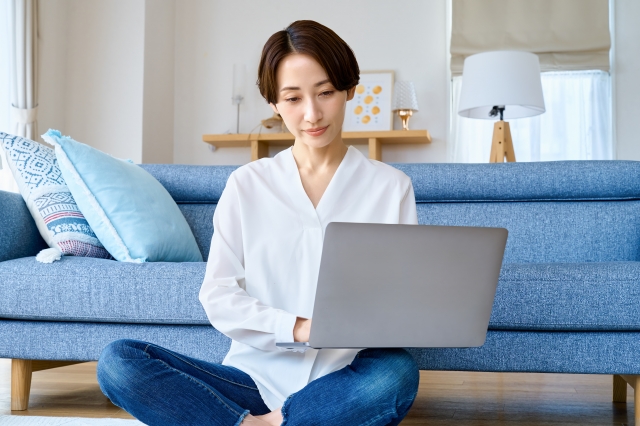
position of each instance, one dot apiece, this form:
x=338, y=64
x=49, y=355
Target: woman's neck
x=318, y=160
x=317, y=166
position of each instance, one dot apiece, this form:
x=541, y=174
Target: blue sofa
x=568, y=299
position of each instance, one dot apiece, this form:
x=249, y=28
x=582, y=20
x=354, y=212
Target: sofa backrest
x=196, y=190
x=568, y=211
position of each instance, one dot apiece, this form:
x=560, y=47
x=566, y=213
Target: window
x=7, y=183
x=5, y=80
x=577, y=124
x=572, y=39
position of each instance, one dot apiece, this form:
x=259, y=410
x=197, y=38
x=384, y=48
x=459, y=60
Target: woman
x=263, y=264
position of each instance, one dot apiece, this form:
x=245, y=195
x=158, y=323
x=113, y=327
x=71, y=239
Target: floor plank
x=444, y=398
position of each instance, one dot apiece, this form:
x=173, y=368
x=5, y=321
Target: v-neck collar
x=312, y=216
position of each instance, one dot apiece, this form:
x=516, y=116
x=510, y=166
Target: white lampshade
x=404, y=96
x=508, y=78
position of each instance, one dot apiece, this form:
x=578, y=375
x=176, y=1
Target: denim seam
x=197, y=382
x=415, y=395
x=242, y=416
x=378, y=417
x=284, y=410
x=200, y=369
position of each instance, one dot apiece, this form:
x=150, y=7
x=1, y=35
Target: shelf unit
x=260, y=143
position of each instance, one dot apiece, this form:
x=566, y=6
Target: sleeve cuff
x=284, y=327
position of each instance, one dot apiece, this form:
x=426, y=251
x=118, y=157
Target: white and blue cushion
x=132, y=214
x=52, y=206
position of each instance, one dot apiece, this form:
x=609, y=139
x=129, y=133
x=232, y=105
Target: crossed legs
x=162, y=387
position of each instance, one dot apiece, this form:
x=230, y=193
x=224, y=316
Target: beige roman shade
x=565, y=34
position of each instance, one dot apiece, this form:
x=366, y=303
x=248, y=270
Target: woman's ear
x=351, y=93
x=274, y=108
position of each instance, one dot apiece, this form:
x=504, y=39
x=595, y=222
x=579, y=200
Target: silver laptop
x=394, y=286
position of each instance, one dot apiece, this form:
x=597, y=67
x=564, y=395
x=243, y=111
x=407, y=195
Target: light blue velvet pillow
x=131, y=213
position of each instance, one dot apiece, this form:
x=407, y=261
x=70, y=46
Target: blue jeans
x=162, y=387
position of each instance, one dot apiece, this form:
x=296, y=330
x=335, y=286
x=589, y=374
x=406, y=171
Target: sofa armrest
x=19, y=235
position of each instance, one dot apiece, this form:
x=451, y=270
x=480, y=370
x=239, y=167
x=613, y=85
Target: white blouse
x=265, y=255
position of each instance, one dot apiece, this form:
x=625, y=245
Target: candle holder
x=404, y=115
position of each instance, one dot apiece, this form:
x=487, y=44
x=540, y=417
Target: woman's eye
x=327, y=93
x=292, y=99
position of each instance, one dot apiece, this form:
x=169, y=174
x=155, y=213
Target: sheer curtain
x=576, y=125
x=6, y=179
x=21, y=43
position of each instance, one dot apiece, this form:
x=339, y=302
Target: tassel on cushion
x=49, y=255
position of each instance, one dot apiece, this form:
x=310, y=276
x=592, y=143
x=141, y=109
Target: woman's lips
x=317, y=132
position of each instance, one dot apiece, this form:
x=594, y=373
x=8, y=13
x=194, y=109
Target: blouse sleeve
x=230, y=309
x=408, y=213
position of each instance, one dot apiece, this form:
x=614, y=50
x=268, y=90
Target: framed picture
x=370, y=108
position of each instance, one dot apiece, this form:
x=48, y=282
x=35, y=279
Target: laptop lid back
x=383, y=285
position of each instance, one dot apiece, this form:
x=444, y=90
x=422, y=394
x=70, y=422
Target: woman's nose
x=312, y=112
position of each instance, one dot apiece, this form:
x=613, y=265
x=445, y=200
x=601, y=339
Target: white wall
x=91, y=74
x=212, y=35
x=52, y=94
x=145, y=79
x=105, y=59
x=627, y=79
x=158, y=81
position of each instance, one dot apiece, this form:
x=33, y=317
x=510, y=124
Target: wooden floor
x=444, y=399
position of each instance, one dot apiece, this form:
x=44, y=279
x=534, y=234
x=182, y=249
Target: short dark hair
x=313, y=39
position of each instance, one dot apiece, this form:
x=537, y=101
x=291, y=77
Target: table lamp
x=405, y=101
x=505, y=84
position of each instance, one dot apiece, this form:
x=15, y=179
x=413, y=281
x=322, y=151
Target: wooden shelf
x=260, y=143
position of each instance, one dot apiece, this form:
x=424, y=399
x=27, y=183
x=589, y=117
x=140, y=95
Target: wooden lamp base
x=502, y=145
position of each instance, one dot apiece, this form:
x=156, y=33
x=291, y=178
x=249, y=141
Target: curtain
x=24, y=46
x=23, y=55
x=576, y=125
x=565, y=34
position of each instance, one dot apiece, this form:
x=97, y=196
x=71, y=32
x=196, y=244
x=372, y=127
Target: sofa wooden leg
x=634, y=382
x=21, y=370
x=619, y=389
x=636, y=404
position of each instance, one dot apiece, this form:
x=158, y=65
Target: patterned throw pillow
x=58, y=218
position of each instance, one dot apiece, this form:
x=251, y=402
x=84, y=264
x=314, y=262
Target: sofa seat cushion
x=100, y=290
x=547, y=297
x=568, y=297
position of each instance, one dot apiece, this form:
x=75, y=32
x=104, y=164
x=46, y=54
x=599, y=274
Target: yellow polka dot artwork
x=370, y=108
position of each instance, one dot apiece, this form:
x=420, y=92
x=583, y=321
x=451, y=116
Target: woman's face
x=310, y=106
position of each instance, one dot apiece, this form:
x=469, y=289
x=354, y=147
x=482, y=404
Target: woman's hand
x=301, y=330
